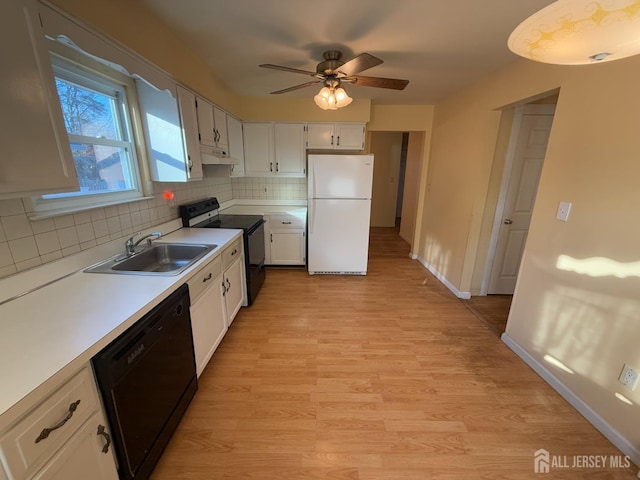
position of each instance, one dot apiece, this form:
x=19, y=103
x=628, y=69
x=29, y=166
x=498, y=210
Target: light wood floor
x=491, y=310
x=386, y=376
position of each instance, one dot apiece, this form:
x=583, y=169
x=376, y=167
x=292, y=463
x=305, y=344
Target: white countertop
x=51, y=332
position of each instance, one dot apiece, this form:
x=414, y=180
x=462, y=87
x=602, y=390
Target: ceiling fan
x=333, y=72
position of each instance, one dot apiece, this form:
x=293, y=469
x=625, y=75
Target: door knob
x=507, y=221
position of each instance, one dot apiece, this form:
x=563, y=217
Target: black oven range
x=204, y=214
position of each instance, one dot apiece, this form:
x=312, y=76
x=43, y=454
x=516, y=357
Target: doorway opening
x=528, y=136
x=394, y=199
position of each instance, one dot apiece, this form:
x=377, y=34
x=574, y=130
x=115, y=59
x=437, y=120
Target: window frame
x=71, y=65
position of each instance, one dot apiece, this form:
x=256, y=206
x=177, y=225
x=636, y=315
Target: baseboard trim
x=576, y=402
x=442, y=278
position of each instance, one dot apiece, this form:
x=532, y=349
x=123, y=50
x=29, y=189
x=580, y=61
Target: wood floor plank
x=382, y=377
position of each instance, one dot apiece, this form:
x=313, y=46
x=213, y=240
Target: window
x=96, y=114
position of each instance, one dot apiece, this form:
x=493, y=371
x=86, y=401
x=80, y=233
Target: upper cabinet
x=171, y=133
x=335, y=136
x=258, y=149
x=274, y=149
x=236, y=146
x=212, y=131
x=289, y=149
x=36, y=156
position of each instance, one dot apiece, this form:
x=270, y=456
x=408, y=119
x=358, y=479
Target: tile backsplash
x=28, y=243
x=269, y=188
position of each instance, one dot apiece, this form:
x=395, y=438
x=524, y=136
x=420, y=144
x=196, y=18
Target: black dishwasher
x=147, y=377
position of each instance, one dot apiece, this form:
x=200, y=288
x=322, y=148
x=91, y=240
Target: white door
x=320, y=135
x=340, y=176
x=208, y=324
x=520, y=198
x=233, y=293
x=287, y=247
x=350, y=137
x=338, y=236
x=289, y=149
x=258, y=149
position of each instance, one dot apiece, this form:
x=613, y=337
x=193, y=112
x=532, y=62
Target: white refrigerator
x=339, y=208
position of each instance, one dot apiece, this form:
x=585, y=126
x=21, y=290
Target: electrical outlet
x=629, y=377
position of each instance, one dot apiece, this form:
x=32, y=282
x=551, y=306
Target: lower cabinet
x=65, y=437
x=233, y=283
x=285, y=239
x=217, y=293
x=208, y=321
x=83, y=456
x=287, y=247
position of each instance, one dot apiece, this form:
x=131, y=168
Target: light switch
x=563, y=211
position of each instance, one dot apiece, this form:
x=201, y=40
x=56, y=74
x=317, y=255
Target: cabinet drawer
x=231, y=253
x=28, y=445
x=284, y=221
x=203, y=278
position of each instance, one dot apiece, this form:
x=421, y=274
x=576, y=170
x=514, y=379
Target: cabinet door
x=236, y=146
x=258, y=149
x=220, y=123
x=83, y=456
x=349, y=136
x=287, y=247
x=320, y=135
x=234, y=294
x=188, y=117
x=289, y=149
x=206, y=126
x=208, y=323
x=36, y=156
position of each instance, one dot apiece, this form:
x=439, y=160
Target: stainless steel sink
x=160, y=259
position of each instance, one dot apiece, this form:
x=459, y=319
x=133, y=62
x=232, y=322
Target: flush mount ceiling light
x=575, y=32
x=332, y=96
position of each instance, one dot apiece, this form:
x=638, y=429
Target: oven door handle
x=262, y=222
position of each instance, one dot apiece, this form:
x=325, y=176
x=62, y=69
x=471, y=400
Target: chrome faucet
x=130, y=246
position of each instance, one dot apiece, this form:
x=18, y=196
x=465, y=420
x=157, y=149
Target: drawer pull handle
x=224, y=289
x=107, y=437
x=208, y=277
x=286, y=223
x=46, y=431
x=228, y=285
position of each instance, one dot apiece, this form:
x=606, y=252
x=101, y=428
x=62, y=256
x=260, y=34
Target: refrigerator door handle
x=313, y=218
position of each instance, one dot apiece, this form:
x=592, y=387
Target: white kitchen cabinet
x=258, y=149
x=171, y=133
x=335, y=136
x=36, y=156
x=212, y=125
x=83, y=456
x=208, y=322
x=236, y=146
x=274, y=149
x=287, y=247
x=64, y=437
x=233, y=281
x=289, y=146
x=285, y=238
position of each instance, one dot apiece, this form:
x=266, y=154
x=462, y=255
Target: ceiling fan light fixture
x=576, y=32
x=330, y=98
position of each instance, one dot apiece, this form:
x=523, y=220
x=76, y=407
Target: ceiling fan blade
x=296, y=87
x=359, y=64
x=379, y=82
x=286, y=69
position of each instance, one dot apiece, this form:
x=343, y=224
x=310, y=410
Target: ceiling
x=438, y=45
